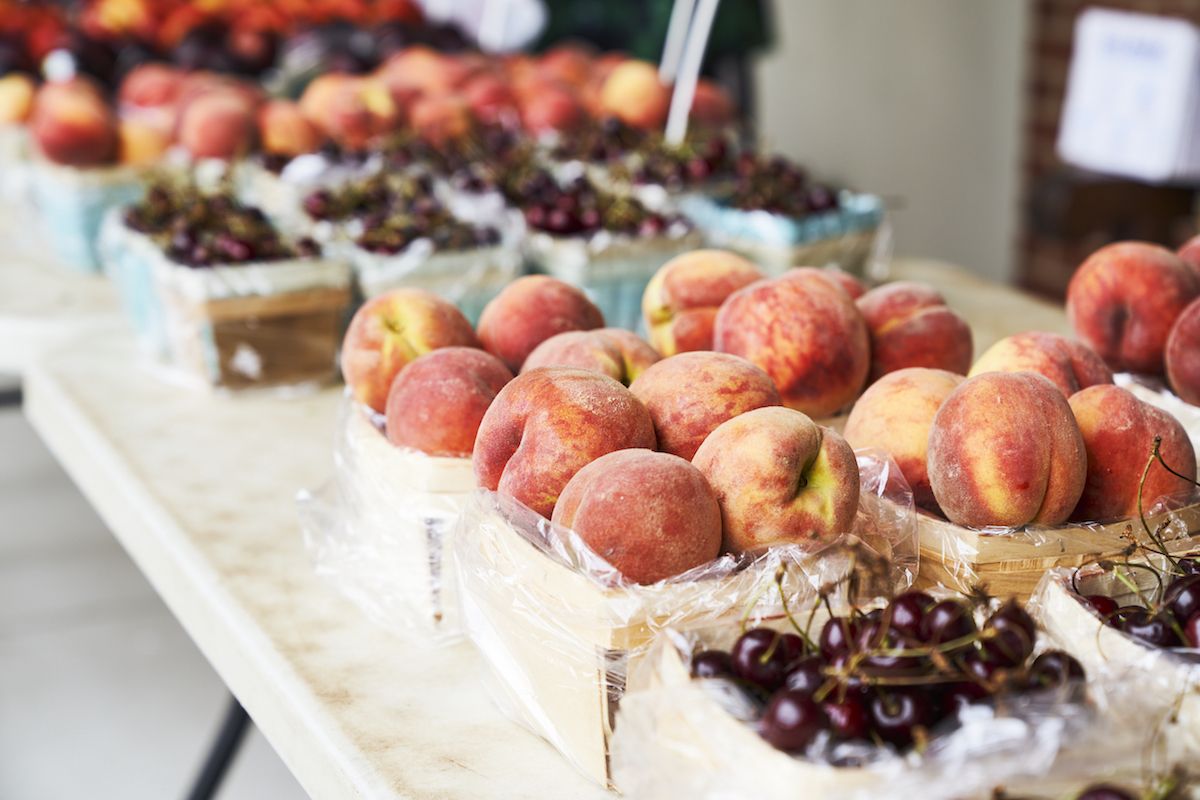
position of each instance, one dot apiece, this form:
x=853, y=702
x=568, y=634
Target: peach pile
x=528, y=312
x=681, y=301
x=911, y=326
x=1069, y=365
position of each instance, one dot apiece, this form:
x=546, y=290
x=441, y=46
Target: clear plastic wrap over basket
x=1153, y=391
x=681, y=737
x=380, y=529
x=560, y=627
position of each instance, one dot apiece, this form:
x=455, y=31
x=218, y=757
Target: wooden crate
x=1013, y=563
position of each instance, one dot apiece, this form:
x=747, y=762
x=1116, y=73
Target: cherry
x=1102, y=604
x=1191, y=631
x=791, y=721
x=954, y=697
x=980, y=667
x=1104, y=791
x=947, y=621
x=1183, y=596
x=763, y=656
x=897, y=713
x=805, y=676
x=1054, y=669
x=847, y=717
x=1156, y=630
x=712, y=664
x=837, y=635
x=1189, y=565
x=852, y=683
x=1012, y=633
x=907, y=611
x=872, y=636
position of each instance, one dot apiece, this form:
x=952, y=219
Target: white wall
x=916, y=100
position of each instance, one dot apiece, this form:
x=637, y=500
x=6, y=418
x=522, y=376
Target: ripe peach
x=780, y=479
x=1069, y=365
x=1189, y=253
x=529, y=311
x=393, y=329
x=284, y=130
x=690, y=394
x=711, y=105
x=141, y=143
x=852, y=285
x=912, y=327
x=72, y=124
x=439, y=119
x=551, y=109
x=617, y=353
x=569, y=63
x=151, y=85
x=16, y=98
x=633, y=93
x=681, y=301
x=1123, y=300
x=219, y=124
x=651, y=515
x=1118, y=431
x=351, y=110
x=1005, y=450
x=548, y=424
x=437, y=401
x=490, y=99
x=1183, y=354
x=805, y=332
x=895, y=415
x=419, y=70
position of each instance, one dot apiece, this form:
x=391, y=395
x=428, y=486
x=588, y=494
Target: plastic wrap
x=680, y=737
x=560, y=627
x=612, y=269
x=1156, y=393
x=1012, y=561
x=236, y=326
x=380, y=529
x=1166, y=703
x=851, y=237
x=73, y=202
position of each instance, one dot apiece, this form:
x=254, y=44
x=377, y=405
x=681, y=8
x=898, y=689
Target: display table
x=200, y=488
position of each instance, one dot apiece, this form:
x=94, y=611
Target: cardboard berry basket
x=560, y=628
x=381, y=529
x=14, y=163
x=612, y=268
x=1169, y=700
x=1012, y=562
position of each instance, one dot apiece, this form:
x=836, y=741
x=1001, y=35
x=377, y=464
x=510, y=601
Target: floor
x=102, y=694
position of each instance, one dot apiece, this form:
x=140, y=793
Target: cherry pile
x=376, y=195
x=890, y=676
x=580, y=208
x=1171, y=621
x=394, y=232
x=492, y=146
x=203, y=229
x=779, y=186
x=609, y=141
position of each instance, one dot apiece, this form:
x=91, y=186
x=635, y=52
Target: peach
x=850, y=284
x=551, y=109
x=440, y=119
x=418, y=70
x=490, y=99
x=633, y=93
x=284, y=130
x=16, y=98
x=1118, y=431
x=1183, y=354
x=780, y=479
x=151, y=85
x=391, y=330
x=219, y=124
x=1069, y=365
x=1005, y=450
x=141, y=143
x=351, y=110
x=1123, y=300
x=548, y=424
x=437, y=401
x=1189, y=253
x=806, y=333
x=529, y=311
x=711, y=105
x=895, y=414
x=569, y=63
x=73, y=125
x=690, y=394
x=651, y=515
x=681, y=301
x=617, y=353
x=912, y=327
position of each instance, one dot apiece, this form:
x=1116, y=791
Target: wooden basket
x=1012, y=563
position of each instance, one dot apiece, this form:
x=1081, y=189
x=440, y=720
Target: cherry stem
x=779, y=576
x=1155, y=455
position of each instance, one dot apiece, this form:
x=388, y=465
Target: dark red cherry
x=1009, y=636
x=1183, y=597
x=956, y=696
x=847, y=717
x=762, y=656
x=1012, y=615
x=947, y=621
x=980, y=667
x=837, y=636
x=712, y=664
x=874, y=638
x=805, y=676
x=791, y=721
x=1156, y=630
x=1104, y=791
x=1189, y=565
x=907, y=611
x=1102, y=604
x=1054, y=669
x=1191, y=631
x=896, y=713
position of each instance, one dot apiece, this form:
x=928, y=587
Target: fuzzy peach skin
x=1123, y=300
x=911, y=326
x=711, y=105
x=284, y=130
x=633, y=93
x=437, y=401
x=780, y=479
x=1118, y=431
x=617, y=353
x=852, y=285
x=681, y=301
x=141, y=143
x=895, y=415
x=803, y=331
x=220, y=124
x=1189, y=252
x=548, y=424
x=72, y=124
x=651, y=515
x=16, y=98
x=1183, y=354
x=529, y=311
x=690, y=394
x=391, y=330
x=1005, y=450
x=151, y=86
x=440, y=119
x=552, y=108
x=1069, y=365
x=352, y=110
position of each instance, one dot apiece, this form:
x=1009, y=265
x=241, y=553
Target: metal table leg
x=223, y=751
